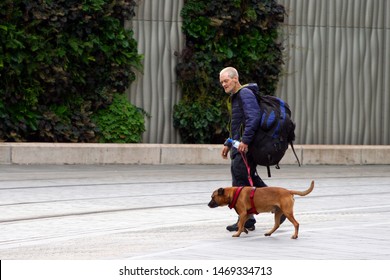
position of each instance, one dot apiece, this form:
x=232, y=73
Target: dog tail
x=303, y=193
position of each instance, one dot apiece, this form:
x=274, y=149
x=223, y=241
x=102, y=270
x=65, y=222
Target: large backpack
x=275, y=132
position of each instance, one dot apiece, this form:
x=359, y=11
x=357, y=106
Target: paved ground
x=160, y=212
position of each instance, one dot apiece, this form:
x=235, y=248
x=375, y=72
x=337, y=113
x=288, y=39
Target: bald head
x=228, y=78
x=230, y=71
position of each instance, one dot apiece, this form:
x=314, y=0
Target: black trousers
x=240, y=172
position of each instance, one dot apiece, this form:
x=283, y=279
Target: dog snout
x=212, y=204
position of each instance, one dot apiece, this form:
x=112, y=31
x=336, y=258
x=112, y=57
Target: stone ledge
x=81, y=153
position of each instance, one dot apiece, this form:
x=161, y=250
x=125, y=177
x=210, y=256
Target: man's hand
x=243, y=148
x=225, y=152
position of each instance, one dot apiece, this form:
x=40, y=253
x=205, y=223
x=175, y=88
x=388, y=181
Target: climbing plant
x=61, y=62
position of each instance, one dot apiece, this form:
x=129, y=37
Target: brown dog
x=249, y=200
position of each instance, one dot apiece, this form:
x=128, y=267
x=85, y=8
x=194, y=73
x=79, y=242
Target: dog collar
x=232, y=204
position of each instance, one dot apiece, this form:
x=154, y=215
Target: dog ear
x=221, y=191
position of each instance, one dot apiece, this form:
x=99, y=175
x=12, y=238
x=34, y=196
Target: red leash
x=253, y=209
x=237, y=192
x=247, y=168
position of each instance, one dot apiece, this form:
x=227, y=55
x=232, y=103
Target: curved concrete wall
x=157, y=28
x=337, y=72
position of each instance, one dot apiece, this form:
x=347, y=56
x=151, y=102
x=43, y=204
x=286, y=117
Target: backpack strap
x=295, y=154
x=269, y=171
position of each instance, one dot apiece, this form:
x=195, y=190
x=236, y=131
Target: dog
x=250, y=200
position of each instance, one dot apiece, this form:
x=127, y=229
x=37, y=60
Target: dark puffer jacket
x=245, y=115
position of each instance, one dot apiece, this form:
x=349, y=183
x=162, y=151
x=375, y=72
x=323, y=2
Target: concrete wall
x=67, y=153
x=157, y=29
x=337, y=71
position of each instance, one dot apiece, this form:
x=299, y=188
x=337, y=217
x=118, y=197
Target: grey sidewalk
x=160, y=212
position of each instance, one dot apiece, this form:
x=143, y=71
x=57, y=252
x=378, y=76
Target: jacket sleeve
x=252, y=114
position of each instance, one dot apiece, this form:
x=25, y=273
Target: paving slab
x=155, y=212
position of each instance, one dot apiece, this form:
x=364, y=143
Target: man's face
x=228, y=84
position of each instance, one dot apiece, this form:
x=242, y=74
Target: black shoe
x=249, y=225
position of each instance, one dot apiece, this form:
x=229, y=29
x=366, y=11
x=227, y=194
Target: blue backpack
x=275, y=132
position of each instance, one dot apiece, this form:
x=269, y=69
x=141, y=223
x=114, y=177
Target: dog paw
x=236, y=235
x=267, y=234
x=294, y=237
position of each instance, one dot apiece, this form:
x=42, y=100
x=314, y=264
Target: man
x=245, y=119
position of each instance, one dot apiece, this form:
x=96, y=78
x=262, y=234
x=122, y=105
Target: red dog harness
x=232, y=204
